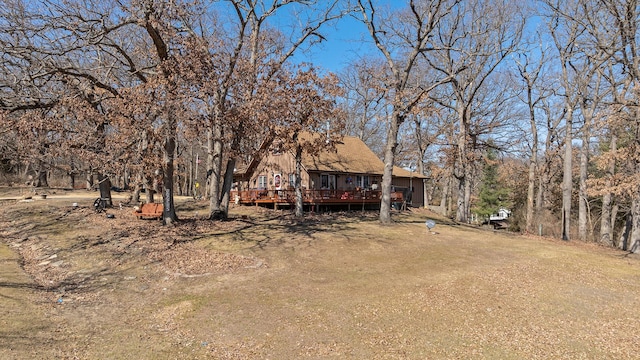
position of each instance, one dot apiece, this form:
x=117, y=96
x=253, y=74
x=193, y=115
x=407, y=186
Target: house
x=501, y=215
x=348, y=176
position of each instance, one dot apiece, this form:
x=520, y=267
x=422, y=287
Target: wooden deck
x=287, y=198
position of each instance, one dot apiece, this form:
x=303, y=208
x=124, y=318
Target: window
x=292, y=180
x=362, y=181
x=324, y=181
x=262, y=182
x=328, y=181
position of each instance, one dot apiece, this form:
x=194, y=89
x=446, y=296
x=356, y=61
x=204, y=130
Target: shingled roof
x=351, y=155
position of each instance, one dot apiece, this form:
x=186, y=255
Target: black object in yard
x=100, y=204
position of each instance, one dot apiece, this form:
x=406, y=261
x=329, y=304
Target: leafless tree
x=251, y=52
x=565, y=35
x=620, y=44
x=531, y=71
x=364, y=100
x=474, y=40
x=402, y=38
x=71, y=50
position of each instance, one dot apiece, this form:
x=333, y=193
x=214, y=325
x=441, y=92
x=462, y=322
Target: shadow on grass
x=45, y=335
x=286, y=228
x=130, y=242
x=276, y=227
x=18, y=285
x=420, y=217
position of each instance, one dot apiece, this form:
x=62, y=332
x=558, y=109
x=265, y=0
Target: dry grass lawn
x=78, y=285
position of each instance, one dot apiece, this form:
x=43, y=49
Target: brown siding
x=283, y=164
x=418, y=189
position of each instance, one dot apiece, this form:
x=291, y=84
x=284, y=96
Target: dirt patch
x=76, y=284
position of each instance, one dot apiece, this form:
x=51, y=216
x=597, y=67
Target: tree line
x=547, y=89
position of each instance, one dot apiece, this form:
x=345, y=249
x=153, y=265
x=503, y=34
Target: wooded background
x=531, y=106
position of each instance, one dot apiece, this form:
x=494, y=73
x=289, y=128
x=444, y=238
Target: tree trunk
x=544, y=190
x=540, y=196
x=126, y=178
x=445, y=194
x=614, y=216
x=460, y=213
x=634, y=238
x=135, y=197
x=461, y=168
x=625, y=234
x=104, y=185
x=422, y=149
x=42, y=180
x=531, y=186
x=214, y=174
x=567, y=180
x=225, y=198
x=449, y=210
x=209, y=168
x=191, y=182
x=389, y=158
x=533, y=167
x=148, y=194
x=583, y=206
x=467, y=196
x=176, y=180
x=169, y=216
x=606, y=222
x=426, y=194
x=298, y=183
x=89, y=180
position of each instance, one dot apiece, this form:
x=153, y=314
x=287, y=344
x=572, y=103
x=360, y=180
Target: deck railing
x=311, y=196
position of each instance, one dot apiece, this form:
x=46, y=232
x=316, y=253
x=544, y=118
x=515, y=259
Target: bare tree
x=530, y=72
x=251, y=53
x=58, y=55
x=611, y=130
x=426, y=132
x=402, y=38
x=476, y=38
x=620, y=43
x=565, y=33
x=364, y=100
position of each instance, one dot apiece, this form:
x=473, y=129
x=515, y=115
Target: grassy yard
x=75, y=284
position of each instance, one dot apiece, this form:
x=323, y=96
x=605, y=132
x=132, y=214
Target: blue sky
x=347, y=39
x=346, y=42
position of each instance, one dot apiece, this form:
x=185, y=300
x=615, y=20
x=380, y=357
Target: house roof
x=400, y=172
x=351, y=155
